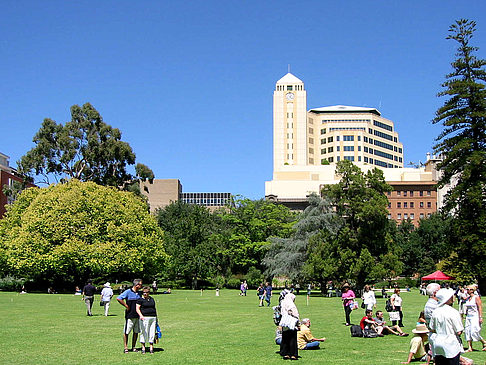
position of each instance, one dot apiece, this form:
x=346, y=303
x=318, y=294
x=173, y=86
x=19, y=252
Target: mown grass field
x=229, y=329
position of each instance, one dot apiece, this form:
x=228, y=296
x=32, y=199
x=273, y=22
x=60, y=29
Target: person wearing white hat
x=418, y=349
x=106, y=295
x=446, y=327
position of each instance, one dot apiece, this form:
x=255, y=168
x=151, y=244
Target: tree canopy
x=69, y=232
x=462, y=143
x=84, y=148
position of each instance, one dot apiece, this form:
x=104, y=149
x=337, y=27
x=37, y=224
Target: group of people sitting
x=377, y=325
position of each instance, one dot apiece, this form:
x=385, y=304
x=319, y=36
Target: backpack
x=388, y=306
x=356, y=331
x=277, y=315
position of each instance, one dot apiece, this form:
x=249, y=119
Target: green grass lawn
x=230, y=329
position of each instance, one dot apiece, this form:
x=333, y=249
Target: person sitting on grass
x=305, y=339
x=367, y=323
x=382, y=328
x=418, y=348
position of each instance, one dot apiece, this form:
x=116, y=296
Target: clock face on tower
x=290, y=96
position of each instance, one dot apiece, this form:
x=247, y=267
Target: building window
x=331, y=159
x=371, y=160
x=411, y=205
x=359, y=148
x=421, y=193
x=366, y=159
x=311, y=130
x=405, y=216
x=348, y=148
x=412, y=216
x=323, y=141
x=348, y=138
x=365, y=139
x=399, y=204
x=359, y=158
x=428, y=192
x=389, y=216
x=349, y=158
x=330, y=149
x=289, y=87
x=405, y=193
x=429, y=205
x=323, y=131
x=405, y=204
x=366, y=149
x=399, y=216
x=389, y=205
x=329, y=139
x=338, y=158
x=421, y=204
x=359, y=138
x=323, y=151
x=337, y=138
x=399, y=193
x=411, y=193
x=421, y=215
x=338, y=148
x=370, y=150
x=311, y=150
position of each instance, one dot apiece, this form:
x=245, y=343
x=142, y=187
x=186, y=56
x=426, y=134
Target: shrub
x=10, y=283
x=233, y=283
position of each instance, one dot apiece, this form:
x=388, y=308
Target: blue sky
x=190, y=83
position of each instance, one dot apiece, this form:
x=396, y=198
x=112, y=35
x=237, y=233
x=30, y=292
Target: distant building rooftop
x=344, y=109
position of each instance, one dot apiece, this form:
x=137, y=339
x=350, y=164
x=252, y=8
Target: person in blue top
x=129, y=300
x=268, y=293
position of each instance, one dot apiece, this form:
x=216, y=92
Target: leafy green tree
x=463, y=145
x=247, y=225
x=84, y=148
x=69, y=232
x=362, y=248
x=192, y=240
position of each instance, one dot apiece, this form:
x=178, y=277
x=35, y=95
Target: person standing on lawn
x=148, y=317
x=446, y=327
x=347, y=298
x=432, y=303
x=88, y=296
x=474, y=319
x=106, y=295
x=368, y=297
x=396, y=302
x=129, y=299
x=268, y=293
x=290, y=325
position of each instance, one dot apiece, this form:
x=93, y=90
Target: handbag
x=394, y=316
x=289, y=321
x=354, y=305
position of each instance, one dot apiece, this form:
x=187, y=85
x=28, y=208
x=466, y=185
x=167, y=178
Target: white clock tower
x=289, y=123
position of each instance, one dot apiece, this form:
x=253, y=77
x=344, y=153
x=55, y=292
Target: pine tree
x=463, y=145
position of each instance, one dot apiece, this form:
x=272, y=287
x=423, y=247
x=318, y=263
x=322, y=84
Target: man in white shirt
x=446, y=327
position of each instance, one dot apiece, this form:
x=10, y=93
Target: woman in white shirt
x=106, y=295
x=474, y=319
x=369, y=299
x=396, y=302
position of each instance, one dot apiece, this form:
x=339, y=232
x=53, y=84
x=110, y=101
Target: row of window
x=290, y=87
x=344, y=129
x=407, y=216
x=410, y=193
x=345, y=120
x=411, y=205
x=383, y=125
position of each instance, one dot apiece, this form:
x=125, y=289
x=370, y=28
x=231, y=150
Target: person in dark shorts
x=88, y=296
x=129, y=299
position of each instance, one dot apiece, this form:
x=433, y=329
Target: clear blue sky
x=190, y=83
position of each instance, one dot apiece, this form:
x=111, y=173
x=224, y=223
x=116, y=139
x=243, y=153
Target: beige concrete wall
x=161, y=192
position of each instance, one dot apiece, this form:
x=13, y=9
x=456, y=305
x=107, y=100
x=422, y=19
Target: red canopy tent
x=438, y=275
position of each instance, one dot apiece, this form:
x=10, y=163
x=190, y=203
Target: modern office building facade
x=162, y=192
x=307, y=144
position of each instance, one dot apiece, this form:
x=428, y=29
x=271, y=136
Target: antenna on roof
x=289, y=68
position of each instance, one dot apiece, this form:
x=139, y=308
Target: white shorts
x=131, y=324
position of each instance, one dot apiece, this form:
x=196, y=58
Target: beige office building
x=307, y=144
